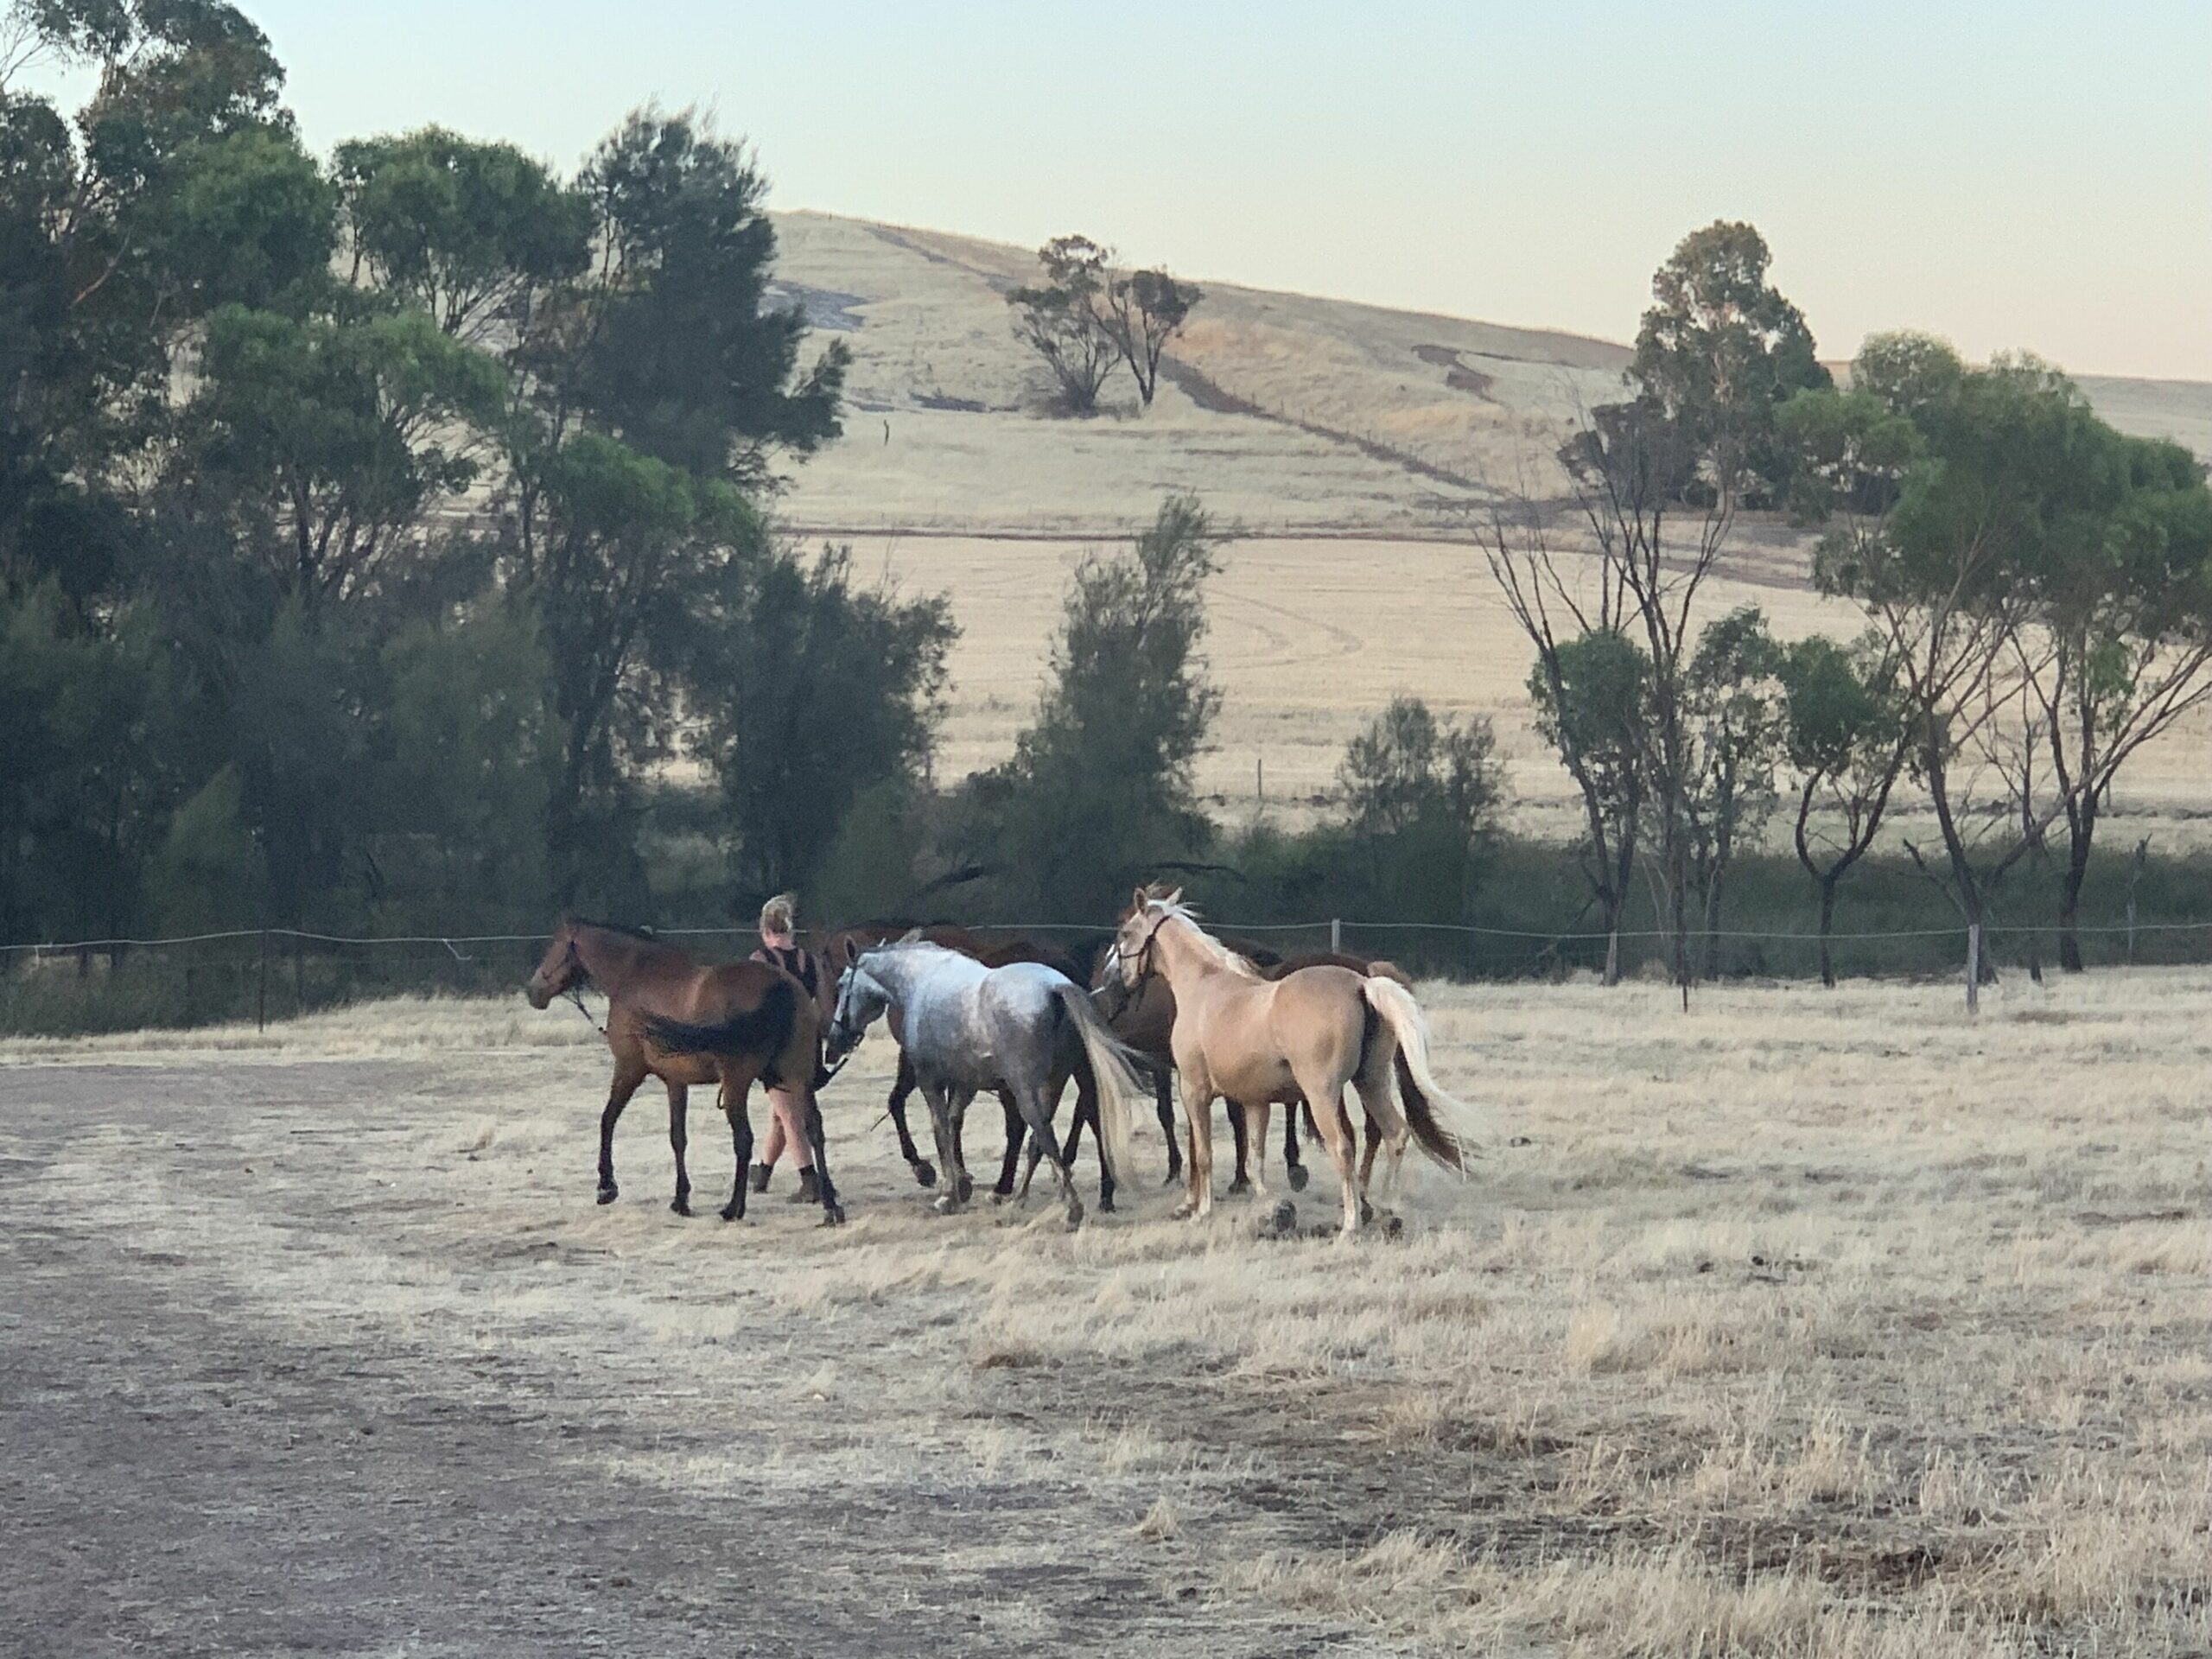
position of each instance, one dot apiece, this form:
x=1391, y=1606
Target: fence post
x=261, y=992
x=1336, y=936
x=1973, y=967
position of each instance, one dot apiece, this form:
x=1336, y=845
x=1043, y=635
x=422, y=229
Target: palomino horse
x=1023, y=1028
x=1253, y=1040
x=671, y=1017
x=1144, y=1019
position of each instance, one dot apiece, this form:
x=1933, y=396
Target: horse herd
x=1021, y=1020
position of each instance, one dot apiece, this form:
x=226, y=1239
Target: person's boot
x=808, y=1192
x=760, y=1174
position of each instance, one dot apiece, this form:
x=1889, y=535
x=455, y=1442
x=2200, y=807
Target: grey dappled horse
x=1023, y=1028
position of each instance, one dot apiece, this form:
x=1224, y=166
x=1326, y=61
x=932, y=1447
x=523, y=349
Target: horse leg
x=1253, y=1116
x=902, y=1086
x=1293, y=1171
x=1198, y=1109
x=833, y=1211
x=961, y=1183
x=1325, y=1092
x=941, y=1124
x=1037, y=1107
x=1240, y=1132
x=1004, y=1190
x=626, y=1079
x=735, y=1086
x=1163, y=1098
x=679, y=1100
x=1086, y=1112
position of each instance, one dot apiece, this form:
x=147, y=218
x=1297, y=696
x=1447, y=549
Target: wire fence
x=262, y=973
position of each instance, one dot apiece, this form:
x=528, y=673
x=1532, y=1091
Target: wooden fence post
x=1336, y=936
x=1973, y=967
x=261, y=992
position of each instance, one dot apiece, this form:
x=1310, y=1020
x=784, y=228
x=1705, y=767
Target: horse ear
x=912, y=936
x=1138, y=902
x=1173, y=899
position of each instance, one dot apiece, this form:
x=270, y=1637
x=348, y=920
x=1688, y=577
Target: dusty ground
x=1816, y=1324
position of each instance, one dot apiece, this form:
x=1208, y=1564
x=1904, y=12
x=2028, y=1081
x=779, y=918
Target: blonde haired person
x=781, y=948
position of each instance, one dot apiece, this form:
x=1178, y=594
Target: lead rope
x=575, y=995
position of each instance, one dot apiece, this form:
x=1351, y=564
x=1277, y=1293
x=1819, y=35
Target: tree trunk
x=1610, y=902
x=2082, y=830
x=1827, y=925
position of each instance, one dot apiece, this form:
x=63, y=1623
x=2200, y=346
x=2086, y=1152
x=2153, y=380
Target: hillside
x=1289, y=414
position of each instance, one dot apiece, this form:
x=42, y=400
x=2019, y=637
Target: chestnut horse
x=672, y=1017
x=1316, y=1030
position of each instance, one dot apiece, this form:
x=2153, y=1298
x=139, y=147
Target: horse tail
x=1379, y=969
x=759, y=1032
x=1450, y=1131
x=1114, y=1072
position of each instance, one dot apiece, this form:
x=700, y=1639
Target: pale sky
x=2016, y=174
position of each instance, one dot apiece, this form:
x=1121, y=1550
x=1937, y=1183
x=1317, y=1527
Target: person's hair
x=780, y=913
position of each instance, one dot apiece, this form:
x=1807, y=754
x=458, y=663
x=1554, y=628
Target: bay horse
x=672, y=1017
x=1024, y=1027
x=1253, y=1041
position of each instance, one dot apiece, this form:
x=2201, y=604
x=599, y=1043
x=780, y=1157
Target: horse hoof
x=833, y=1215
x=1393, y=1226
x=924, y=1173
x=1241, y=1185
x=1184, y=1211
x=681, y=1207
x=609, y=1191
x=1106, y=1204
x=967, y=1189
x=1366, y=1212
x=945, y=1204
x=1075, y=1220
x=733, y=1212
x=1174, y=1176
x=1298, y=1178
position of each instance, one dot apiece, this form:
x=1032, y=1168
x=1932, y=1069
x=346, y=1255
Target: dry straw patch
x=1804, y=1323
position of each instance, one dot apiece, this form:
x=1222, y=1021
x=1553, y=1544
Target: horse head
x=559, y=971
x=1129, y=958
x=861, y=1000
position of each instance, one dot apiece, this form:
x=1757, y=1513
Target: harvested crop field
x=1820, y=1324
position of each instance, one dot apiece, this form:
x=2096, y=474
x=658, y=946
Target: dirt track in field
x=279, y=1376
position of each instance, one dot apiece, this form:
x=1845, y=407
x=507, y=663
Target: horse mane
x=1219, y=954
x=626, y=929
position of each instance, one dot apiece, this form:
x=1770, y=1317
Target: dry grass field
x=1803, y=1324
x=1291, y=413
x=1311, y=639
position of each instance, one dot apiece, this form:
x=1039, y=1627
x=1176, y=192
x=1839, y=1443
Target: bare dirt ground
x=1806, y=1323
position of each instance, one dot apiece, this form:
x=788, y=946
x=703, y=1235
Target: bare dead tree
x=1559, y=616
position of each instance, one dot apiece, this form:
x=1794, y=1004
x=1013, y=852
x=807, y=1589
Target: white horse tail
x=1122, y=1092
x=1449, y=1130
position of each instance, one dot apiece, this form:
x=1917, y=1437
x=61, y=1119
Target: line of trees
x=372, y=532
x=2036, y=589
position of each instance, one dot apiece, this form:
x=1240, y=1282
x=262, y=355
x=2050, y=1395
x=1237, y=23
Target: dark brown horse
x=672, y=1017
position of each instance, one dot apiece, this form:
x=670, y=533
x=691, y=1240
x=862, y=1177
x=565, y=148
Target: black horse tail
x=758, y=1033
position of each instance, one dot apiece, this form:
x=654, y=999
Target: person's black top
x=797, y=962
